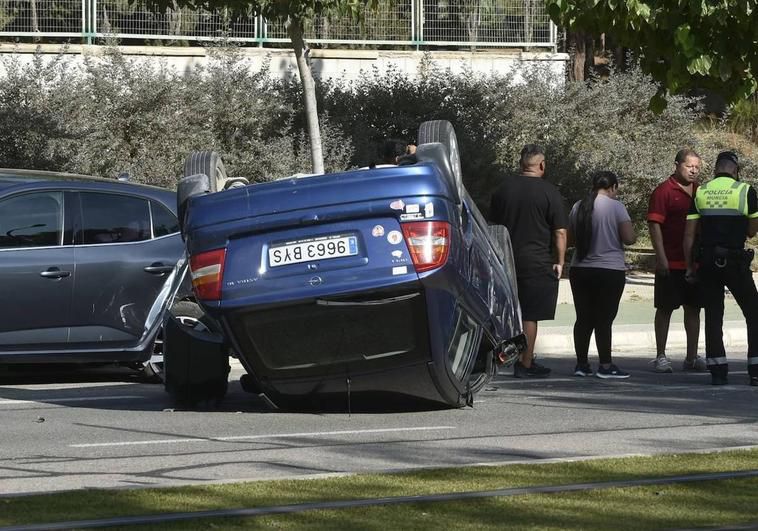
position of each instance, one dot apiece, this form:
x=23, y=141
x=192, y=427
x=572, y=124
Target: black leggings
x=737, y=277
x=597, y=293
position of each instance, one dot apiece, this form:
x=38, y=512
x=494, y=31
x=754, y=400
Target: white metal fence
x=457, y=23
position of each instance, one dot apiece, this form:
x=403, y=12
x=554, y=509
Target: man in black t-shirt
x=533, y=211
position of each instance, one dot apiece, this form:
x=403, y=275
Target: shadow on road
x=677, y=393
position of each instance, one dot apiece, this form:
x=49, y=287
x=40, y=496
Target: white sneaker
x=662, y=364
x=698, y=364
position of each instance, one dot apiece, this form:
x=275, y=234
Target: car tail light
x=207, y=270
x=428, y=243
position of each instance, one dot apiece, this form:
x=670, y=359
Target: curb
x=637, y=339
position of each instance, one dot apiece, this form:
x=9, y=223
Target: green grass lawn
x=667, y=507
x=651, y=507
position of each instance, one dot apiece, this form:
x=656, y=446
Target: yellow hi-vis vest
x=723, y=196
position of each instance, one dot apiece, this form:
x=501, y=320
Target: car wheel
x=187, y=313
x=196, y=362
x=208, y=163
x=442, y=131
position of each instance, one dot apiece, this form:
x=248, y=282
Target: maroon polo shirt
x=668, y=207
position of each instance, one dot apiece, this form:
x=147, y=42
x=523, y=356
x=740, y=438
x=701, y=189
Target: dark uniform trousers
x=732, y=271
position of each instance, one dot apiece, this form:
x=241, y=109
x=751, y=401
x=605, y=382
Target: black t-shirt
x=531, y=208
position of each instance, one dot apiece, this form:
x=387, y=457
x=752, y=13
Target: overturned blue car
x=380, y=282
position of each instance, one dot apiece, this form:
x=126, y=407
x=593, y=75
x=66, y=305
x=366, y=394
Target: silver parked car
x=87, y=268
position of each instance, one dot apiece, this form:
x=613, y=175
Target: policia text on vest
x=725, y=211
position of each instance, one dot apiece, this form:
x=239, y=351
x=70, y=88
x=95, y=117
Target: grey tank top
x=606, y=249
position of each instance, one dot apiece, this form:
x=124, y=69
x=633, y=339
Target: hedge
x=114, y=115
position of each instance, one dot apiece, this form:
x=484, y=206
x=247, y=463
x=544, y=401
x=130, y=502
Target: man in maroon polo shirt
x=667, y=217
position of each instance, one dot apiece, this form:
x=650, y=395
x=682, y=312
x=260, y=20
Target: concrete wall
x=345, y=64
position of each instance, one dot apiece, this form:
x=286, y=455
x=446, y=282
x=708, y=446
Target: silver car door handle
x=159, y=269
x=54, y=272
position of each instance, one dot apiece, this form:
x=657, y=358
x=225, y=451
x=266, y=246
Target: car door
x=36, y=271
x=120, y=268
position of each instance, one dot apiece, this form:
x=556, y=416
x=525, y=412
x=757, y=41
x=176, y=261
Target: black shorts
x=673, y=291
x=538, y=297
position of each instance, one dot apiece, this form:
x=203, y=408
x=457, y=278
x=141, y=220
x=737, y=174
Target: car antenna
x=124, y=177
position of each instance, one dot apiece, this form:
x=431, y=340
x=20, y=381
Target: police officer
x=726, y=211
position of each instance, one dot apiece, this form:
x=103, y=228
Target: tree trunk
x=295, y=30
x=473, y=18
x=35, y=20
x=174, y=15
x=528, y=21
x=621, y=58
x=106, y=23
x=581, y=48
x=578, y=54
x=589, y=57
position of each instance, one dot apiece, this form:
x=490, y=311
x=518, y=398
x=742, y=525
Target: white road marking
x=58, y=387
x=266, y=436
x=63, y=400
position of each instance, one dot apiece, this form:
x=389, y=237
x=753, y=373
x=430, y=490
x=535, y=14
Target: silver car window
x=31, y=220
x=164, y=221
x=114, y=218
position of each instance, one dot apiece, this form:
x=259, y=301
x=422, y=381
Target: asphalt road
x=102, y=428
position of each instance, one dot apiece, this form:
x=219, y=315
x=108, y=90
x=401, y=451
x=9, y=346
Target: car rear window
x=164, y=221
x=31, y=220
x=114, y=218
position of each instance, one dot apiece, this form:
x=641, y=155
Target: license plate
x=311, y=249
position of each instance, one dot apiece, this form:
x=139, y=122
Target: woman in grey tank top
x=600, y=226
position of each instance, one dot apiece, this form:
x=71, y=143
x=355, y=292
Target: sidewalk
x=633, y=332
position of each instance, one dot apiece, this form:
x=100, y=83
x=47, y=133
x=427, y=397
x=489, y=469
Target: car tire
x=208, y=163
x=189, y=378
x=189, y=314
x=443, y=132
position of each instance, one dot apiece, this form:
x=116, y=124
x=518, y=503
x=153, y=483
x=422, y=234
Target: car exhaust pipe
x=511, y=350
